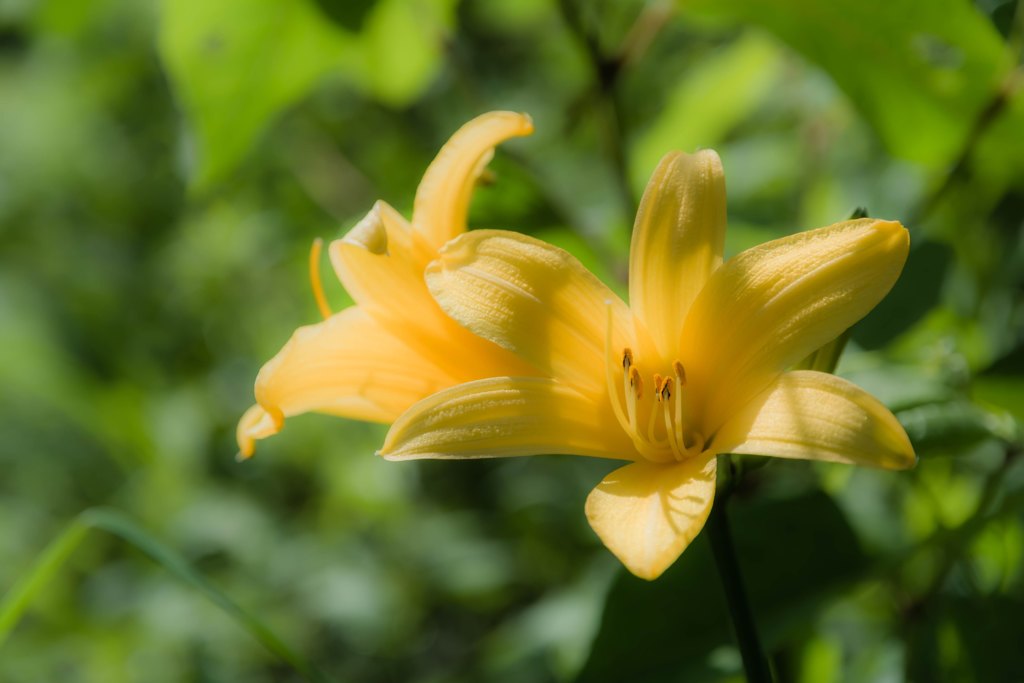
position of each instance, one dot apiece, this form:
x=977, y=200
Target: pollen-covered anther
x=636, y=382
x=680, y=372
x=665, y=392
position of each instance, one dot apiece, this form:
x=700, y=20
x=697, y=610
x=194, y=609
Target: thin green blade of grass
x=17, y=600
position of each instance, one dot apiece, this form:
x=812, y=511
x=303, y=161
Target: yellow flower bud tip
x=369, y=233
x=525, y=126
x=898, y=234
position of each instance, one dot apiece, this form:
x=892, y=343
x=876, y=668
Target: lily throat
x=653, y=415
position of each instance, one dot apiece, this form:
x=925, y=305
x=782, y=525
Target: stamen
x=672, y=431
x=613, y=391
x=695, y=442
x=314, y=278
x=677, y=368
x=652, y=423
x=627, y=408
x=633, y=388
x=680, y=374
x=636, y=382
x=665, y=393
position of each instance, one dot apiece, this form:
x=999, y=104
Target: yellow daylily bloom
x=395, y=346
x=695, y=368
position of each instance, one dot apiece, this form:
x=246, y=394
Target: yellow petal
x=347, y=365
x=677, y=242
x=256, y=423
x=534, y=299
x=442, y=199
x=816, y=416
x=770, y=306
x=379, y=265
x=647, y=514
x=506, y=416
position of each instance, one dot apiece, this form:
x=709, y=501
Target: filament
x=314, y=278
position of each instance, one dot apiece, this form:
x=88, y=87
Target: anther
x=627, y=358
x=657, y=386
x=636, y=381
x=677, y=368
x=665, y=393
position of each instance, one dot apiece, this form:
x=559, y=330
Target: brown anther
x=627, y=358
x=657, y=386
x=636, y=381
x=666, y=389
x=677, y=368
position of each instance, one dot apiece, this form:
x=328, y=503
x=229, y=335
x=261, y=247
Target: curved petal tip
x=256, y=423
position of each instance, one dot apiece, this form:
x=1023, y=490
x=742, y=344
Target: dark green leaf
x=948, y=428
x=901, y=387
x=919, y=72
x=349, y=14
x=229, y=82
x=237, y=64
x=666, y=629
x=916, y=292
x=990, y=633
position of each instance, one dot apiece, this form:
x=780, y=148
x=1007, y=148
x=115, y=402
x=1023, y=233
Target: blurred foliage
x=163, y=171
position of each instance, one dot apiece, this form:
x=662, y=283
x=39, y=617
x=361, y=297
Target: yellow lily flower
x=697, y=367
x=395, y=346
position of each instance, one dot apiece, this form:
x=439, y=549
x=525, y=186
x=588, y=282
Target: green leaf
x=920, y=73
x=999, y=156
x=403, y=47
x=708, y=102
x=17, y=600
x=993, y=652
x=916, y=293
x=950, y=428
x=901, y=387
x=667, y=630
x=1002, y=384
x=237, y=64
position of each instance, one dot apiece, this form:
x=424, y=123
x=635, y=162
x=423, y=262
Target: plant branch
x=986, y=117
x=606, y=74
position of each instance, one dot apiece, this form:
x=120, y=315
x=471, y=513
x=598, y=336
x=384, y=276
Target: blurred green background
x=164, y=168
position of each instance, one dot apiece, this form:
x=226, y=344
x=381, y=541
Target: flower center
x=654, y=416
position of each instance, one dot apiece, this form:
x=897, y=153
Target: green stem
x=754, y=662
